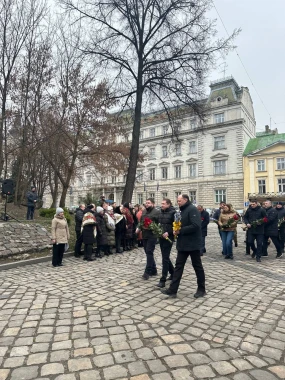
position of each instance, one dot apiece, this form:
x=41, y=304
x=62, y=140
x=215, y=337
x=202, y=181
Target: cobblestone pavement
x=100, y=320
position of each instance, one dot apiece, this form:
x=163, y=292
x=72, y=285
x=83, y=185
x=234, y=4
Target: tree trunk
x=63, y=196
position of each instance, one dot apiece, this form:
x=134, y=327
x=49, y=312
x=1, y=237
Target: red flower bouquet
x=156, y=228
x=259, y=222
x=231, y=221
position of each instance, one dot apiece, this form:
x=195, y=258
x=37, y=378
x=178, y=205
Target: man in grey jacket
x=189, y=239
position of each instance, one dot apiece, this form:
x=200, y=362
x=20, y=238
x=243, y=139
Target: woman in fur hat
x=60, y=237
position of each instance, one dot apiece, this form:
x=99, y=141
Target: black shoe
x=204, y=250
x=258, y=260
x=170, y=278
x=201, y=254
x=60, y=265
x=236, y=244
x=76, y=255
x=264, y=255
x=154, y=274
x=145, y=276
x=200, y=293
x=89, y=259
x=85, y=258
x=161, y=284
x=169, y=293
x=253, y=255
x=52, y=264
x=279, y=255
x=119, y=251
x=247, y=253
x=229, y=257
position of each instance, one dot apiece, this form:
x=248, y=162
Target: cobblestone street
x=100, y=320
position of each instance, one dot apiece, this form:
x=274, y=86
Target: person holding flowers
x=281, y=223
x=228, y=222
x=149, y=215
x=166, y=219
x=271, y=230
x=255, y=218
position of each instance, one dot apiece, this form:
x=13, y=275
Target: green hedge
x=50, y=212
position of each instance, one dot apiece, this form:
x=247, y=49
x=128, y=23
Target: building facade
x=264, y=167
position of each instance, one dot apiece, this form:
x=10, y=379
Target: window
x=152, y=153
x=164, y=151
x=261, y=186
x=152, y=132
x=152, y=174
x=152, y=195
x=141, y=135
x=177, y=127
x=192, y=170
x=192, y=147
x=164, y=195
x=140, y=199
x=164, y=173
x=281, y=185
x=219, y=142
x=139, y=175
x=219, y=118
x=114, y=179
x=165, y=129
x=88, y=179
x=220, y=167
x=260, y=165
x=280, y=163
x=177, y=171
x=177, y=193
x=192, y=196
x=220, y=196
x=193, y=124
x=178, y=149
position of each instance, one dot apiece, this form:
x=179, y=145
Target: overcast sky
x=261, y=46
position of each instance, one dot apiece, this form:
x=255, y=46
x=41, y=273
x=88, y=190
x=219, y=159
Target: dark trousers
x=78, y=244
x=118, y=241
x=247, y=249
x=149, y=246
x=30, y=212
x=203, y=244
x=259, y=243
x=282, y=237
x=88, y=251
x=179, y=267
x=167, y=266
x=275, y=241
x=57, y=254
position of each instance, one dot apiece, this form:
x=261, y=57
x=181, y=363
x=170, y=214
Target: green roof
x=262, y=142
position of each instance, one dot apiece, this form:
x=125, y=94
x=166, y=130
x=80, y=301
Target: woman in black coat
x=120, y=231
x=88, y=227
x=102, y=235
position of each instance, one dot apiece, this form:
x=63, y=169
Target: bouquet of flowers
x=280, y=222
x=231, y=221
x=259, y=222
x=156, y=228
x=177, y=223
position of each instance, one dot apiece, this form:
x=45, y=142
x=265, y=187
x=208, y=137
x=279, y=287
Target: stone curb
x=37, y=260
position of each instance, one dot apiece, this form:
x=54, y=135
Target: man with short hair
x=166, y=219
x=281, y=215
x=253, y=213
x=271, y=230
x=188, y=244
x=205, y=220
x=78, y=224
x=149, y=239
x=32, y=199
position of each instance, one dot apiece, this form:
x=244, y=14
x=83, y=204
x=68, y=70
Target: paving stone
x=256, y=362
x=162, y=351
x=162, y=376
x=88, y=375
x=137, y=368
x=156, y=366
x=169, y=339
x=14, y=362
x=20, y=351
x=223, y=367
x=278, y=370
x=83, y=351
x=25, y=373
x=40, y=347
x=270, y=352
x=4, y=373
x=59, y=356
x=115, y=372
x=175, y=361
x=66, y=344
x=182, y=374
x=197, y=359
x=260, y=374
x=69, y=376
x=241, y=364
x=37, y=358
x=52, y=369
x=241, y=376
x=124, y=357
x=203, y=372
x=103, y=360
x=144, y=354
x=75, y=365
x=181, y=348
x=140, y=377
x=217, y=354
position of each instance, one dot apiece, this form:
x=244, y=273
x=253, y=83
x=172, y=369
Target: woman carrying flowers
x=228, y=222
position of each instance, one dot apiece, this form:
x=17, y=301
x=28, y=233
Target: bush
x=50, y=212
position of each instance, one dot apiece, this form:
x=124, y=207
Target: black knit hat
x=126, y=205
x=279, y=203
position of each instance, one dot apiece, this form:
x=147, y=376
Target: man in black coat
x=205, y=220
x=166, y=219
x=188, y=244
x=149, y=239
x=78, y=223
x=32, y=199
x=253, y=213
x=281, y=215
x=271, y=230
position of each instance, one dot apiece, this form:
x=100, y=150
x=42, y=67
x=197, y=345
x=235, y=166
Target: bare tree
x=158, y=51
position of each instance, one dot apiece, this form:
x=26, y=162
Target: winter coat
x=205, y=220
x=102, y=233
x=88, y=230
x=166, y=219
x=110, y=231
x=253, y=214
x=59, y=230
x=153, y=214
x=217, y=214
x=281, y=215
x=31, y=198
x=78, y=219
x=130, y=223
x=271, y=227
x=190, y=236
x=139, y=215
x=224, y=217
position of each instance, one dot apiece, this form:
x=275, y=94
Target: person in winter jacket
x=89, y=231
x=216, y=216
x=205, y=220
x=110, y=224
x=60, y=237
x=130, y=222
x=139, y=235
x=149, y=239
x=271, y=230
x=227, y=233
x=166, y=219
x=32, y=199
x=78, y=223
x=120, y=230
x=102, y=236
x=188, y=244
x=253, y=213
x=281, y=215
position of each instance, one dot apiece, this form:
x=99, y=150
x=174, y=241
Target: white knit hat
x=99, y=209
x=59, y=210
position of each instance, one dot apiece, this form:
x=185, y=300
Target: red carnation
x=202, y=219
x=265, y=220
x=236, y=217
x=147, y=222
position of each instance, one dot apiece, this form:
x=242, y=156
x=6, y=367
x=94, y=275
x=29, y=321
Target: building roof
x=261, y=142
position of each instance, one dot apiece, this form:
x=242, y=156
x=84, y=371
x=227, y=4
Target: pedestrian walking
x=205, y=220
x=60, y=237
x=228, y=222
x=32, y=199
x=189, y=239
x=271, y=230
x=166, y=219
x=281, y=222
x=78, y=224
